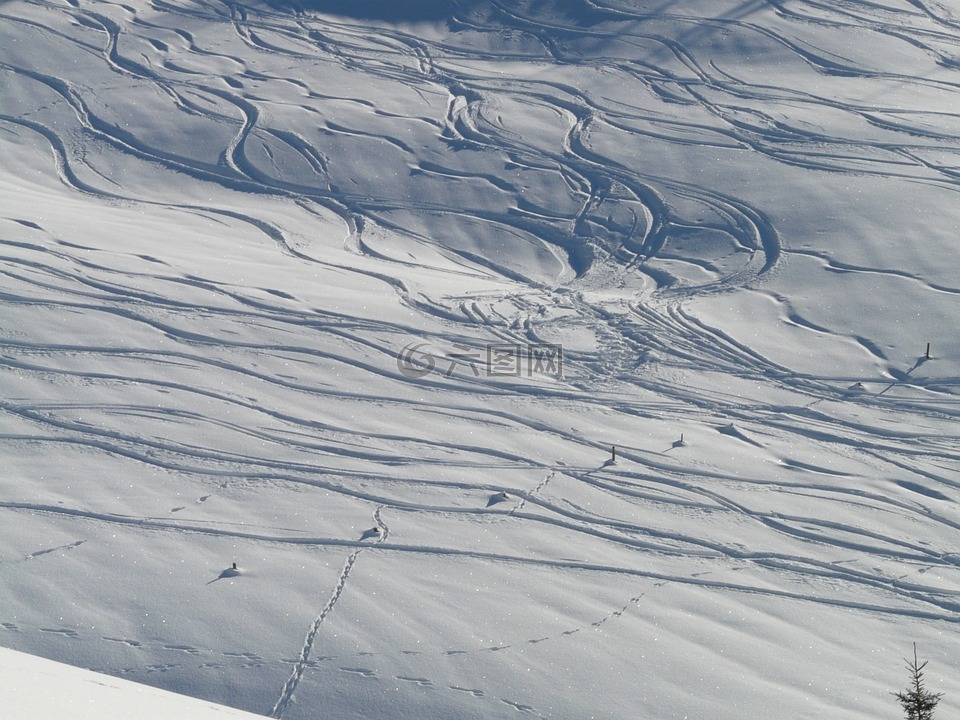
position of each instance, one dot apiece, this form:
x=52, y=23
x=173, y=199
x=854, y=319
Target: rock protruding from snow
x=498, y=498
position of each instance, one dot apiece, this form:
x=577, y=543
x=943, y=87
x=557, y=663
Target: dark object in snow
x=917, y=702
x=231, y=572
x=497, y=498
x=372, y=532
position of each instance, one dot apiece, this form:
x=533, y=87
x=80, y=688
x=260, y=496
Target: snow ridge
x=222, y=225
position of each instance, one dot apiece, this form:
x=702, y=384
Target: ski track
x=599, y=219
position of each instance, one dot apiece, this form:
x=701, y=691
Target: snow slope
x=36, y=688
x=227, y=226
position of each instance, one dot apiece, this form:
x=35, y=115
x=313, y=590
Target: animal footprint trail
x=303, y=661
x=286, y=695
x=64, y=548
x=619, y=613
x=537, y=489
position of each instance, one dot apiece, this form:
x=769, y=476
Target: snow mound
x=39, y=689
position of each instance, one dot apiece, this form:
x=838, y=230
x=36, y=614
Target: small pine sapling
x=918, y=703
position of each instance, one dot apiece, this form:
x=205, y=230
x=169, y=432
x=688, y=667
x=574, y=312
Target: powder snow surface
x=360, y=296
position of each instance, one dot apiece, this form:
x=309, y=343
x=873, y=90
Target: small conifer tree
x=918, y=703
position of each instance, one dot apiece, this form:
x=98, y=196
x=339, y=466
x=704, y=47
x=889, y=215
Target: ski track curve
x=594, y=218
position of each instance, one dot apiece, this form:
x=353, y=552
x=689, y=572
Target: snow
x=222, y=223
x=39, y=688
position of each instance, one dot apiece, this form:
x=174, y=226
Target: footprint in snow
x=124, y=641
x=422, y=682
x=519, y=707
x=61, y=631
x=189, y=649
